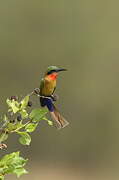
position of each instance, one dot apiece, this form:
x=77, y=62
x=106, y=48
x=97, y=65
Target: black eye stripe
x=50, y=72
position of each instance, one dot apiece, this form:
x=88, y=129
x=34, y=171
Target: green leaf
x=31, y=127
x=25, y=138
x=12, y=163
x=24, y=102
x=2, y=177
x=38, y=114
x=1, y=170
x=12, y=127
x=50, y=123
x=9, y=158
x=13, y=160
x=14, y=105
x=23, y=113
x=3, y=137
x=20, y=171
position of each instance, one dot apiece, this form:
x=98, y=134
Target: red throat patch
x=53, y=76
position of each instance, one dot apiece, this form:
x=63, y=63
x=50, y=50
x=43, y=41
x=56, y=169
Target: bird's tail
x=59, y=120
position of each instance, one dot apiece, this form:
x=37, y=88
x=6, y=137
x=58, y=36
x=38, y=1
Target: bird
x=47, y=97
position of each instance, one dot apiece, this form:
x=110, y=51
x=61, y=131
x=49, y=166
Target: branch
x=23, y=120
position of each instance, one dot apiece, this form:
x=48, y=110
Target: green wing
x=41, y=86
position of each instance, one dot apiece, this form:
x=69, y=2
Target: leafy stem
x=22, y=120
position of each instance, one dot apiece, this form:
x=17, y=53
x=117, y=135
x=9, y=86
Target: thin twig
x=38, y=94
x=21, y=127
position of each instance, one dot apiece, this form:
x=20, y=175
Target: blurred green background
x=82, y=36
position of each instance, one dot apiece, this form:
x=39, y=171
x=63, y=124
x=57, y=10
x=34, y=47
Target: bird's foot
x=54, y=97
x=36, y=91
x=3, y=146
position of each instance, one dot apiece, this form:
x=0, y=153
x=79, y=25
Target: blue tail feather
x=58, y=119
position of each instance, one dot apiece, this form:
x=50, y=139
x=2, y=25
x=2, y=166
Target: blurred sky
x=82, y=36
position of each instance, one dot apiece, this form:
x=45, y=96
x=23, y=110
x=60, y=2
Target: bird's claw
x=37, y=91
x=54, y=97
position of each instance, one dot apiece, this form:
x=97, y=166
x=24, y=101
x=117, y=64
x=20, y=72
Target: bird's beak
x=61, y=69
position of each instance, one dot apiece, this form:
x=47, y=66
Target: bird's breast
x=49, y=87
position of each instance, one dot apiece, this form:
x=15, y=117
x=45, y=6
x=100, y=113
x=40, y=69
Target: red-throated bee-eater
x=47, y=88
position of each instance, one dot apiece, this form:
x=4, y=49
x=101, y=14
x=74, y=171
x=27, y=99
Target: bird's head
x=52, y=71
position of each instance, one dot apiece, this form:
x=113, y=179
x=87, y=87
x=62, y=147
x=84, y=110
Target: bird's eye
x=50, y=72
